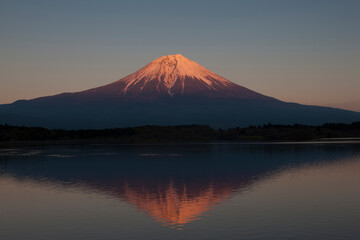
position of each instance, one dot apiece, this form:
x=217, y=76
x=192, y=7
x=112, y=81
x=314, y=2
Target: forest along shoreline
x=18, y=135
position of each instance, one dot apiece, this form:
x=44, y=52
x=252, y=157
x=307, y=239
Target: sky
x=297, y=51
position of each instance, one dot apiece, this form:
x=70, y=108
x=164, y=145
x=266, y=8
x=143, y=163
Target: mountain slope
x=171, y=90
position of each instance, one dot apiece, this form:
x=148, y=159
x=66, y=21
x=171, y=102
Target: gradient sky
x=299, y=51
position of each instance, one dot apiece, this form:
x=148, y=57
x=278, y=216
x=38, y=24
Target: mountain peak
x=173, y=67
x=174, y=75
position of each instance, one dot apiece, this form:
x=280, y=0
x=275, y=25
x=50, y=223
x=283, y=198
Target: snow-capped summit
x=173, y=68
x=172, y=76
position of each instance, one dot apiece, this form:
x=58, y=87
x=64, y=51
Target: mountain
x=173, y=76
x=171, y=90
x=167, y=77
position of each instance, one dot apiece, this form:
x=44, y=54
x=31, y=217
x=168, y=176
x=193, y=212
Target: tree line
x=267, y=132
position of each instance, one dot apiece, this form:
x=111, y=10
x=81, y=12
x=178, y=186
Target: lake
x=181, y=191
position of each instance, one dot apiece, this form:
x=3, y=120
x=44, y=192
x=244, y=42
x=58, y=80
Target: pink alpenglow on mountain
x=171, y=90
x=173, y=76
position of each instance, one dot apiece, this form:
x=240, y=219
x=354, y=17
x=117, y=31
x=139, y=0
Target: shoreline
x=123, y=142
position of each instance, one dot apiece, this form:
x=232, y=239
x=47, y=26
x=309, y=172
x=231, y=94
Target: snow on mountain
x=174, y=75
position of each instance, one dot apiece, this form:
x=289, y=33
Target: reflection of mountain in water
x=175, y=204
x=173, y=184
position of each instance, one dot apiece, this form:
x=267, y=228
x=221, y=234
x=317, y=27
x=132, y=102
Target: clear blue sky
x=301, y=51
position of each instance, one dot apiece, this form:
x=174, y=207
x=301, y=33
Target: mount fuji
x=171, y=90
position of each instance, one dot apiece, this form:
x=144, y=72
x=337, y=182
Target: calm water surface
x=183, y=191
